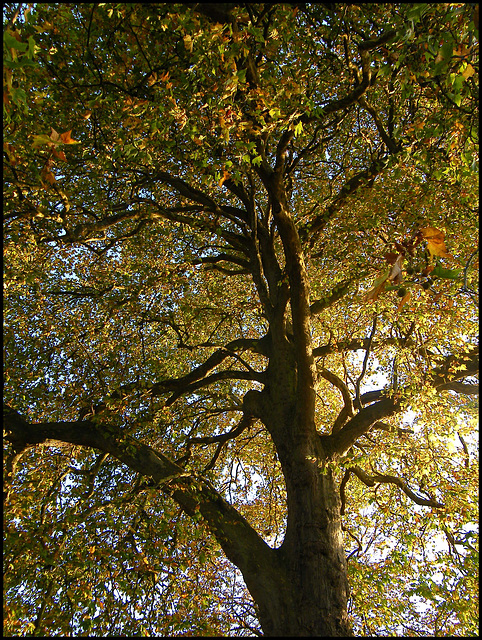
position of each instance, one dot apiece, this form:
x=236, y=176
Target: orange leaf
x=225, y=177
x=373, y=294
x=405, y=299
x=378, y=287
x=59, y=154
x=435, y=242
x=66, y=139
x=48, y=176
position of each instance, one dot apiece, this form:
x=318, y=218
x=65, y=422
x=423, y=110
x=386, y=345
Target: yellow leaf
x=188, y=43
x=468, y=71
x=372, y=295
x=47, y=175
x=59, y=154
x=435, y=242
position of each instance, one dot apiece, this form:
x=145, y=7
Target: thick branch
x=460, y=387
x=300, y=306
x=338, y=291
x=369, y=45
x=443, y=377
x=223, y=257
x=361, y=423
x=455, y=367
x=357, y=92
x=391, y=145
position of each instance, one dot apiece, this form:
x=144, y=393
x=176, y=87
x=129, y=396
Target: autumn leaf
x=435, y=242
x=224, y=177
x=140, y=232
x=59, y=154
x=66, y=139
x=41, y=140
x=395, y=274
x=48, y=175
x=468, y=71
x=188, y=44
x=53, y=140
x=427, y=270
x=403, y=301
x=378, y=287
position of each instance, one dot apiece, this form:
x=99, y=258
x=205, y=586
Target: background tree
x=240, y=269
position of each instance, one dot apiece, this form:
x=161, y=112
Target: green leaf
x=447, y=50
x=440, y=272
x=13, y=43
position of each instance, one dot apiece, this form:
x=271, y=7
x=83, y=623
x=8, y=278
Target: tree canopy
x=241, y=319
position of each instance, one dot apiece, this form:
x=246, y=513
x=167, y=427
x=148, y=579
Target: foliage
x=181, y=182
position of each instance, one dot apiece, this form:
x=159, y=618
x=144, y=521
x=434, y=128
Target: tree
x=240, y=254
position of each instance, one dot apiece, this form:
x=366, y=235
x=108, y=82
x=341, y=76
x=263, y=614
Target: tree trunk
x=311, y=599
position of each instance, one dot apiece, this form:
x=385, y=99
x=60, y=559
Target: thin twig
x=365, y=362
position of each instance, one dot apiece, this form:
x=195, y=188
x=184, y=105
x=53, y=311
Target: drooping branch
x=381, y=478
x=195, y=495
x=365, y=362
x=245, y=422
